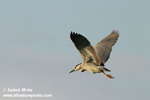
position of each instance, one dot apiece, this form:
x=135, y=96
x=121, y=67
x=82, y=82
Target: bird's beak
x=72, y=71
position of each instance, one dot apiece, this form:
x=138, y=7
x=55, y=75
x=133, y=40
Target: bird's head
x=77, y=67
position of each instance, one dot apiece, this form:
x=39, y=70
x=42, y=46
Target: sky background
x=36, y=51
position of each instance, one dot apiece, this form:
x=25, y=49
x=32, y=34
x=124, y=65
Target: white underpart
x=93, y=68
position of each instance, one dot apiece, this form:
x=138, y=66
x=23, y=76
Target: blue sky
x=36, y=50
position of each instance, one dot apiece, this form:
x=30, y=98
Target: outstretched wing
x=87, y=51
x=104, y=47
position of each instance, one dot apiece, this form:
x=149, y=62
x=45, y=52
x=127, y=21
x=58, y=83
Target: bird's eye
x=75, y=67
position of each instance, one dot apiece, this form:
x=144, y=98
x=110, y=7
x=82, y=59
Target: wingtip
x=115, y=31
x=72, y=32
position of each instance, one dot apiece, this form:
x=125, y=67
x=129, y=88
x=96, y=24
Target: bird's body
x=94, y=68
x=94, y=57
x=91, y=67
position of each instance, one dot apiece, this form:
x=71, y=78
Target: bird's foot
x=109, y=76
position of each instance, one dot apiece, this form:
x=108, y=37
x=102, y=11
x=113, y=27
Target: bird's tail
x=105, y=69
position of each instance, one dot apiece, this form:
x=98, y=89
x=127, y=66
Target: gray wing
x=104, y=47
x=87, y=51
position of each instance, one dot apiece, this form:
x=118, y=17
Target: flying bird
x=95, y=57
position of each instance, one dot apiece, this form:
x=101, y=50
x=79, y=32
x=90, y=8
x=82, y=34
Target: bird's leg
x=109, y=76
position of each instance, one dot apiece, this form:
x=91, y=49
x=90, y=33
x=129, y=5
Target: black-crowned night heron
x=95, y=57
